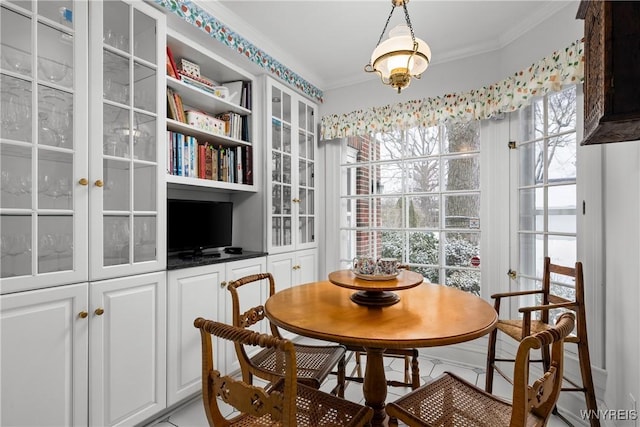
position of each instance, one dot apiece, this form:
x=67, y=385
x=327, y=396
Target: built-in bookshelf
x=210, y=125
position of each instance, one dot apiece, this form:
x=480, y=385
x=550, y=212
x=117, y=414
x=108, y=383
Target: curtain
x=548, y=74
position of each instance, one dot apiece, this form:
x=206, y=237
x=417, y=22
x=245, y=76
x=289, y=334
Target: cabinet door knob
x=223, y=284
x=83, y=181
x=98, y=183
x=99, y=311
x=83, y=314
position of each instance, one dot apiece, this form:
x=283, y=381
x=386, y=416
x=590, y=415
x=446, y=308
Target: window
x=546, y=188
x=415, y=196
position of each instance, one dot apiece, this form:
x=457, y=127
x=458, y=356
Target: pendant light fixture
x=402, y=55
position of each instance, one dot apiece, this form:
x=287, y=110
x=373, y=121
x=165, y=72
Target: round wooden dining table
x=427, y=315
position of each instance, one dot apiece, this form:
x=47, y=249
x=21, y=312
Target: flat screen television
x=195, y=225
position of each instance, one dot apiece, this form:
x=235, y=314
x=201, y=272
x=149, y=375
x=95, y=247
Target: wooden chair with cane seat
x=451, y=401
x=314, y=362
x=283, y=403
x=520, y=329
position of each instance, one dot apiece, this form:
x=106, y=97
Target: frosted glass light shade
x=391, y=56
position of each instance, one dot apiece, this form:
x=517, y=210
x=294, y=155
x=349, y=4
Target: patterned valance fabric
x=548, y=74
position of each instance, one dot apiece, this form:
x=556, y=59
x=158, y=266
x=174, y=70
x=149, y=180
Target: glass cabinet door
x=306, y=173
x=281, y=168
x=292, y=148
x=43, y=151
x=127, y=199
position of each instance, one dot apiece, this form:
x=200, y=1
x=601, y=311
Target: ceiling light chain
x=384, y=30
x=400, y=57
x=406, y=18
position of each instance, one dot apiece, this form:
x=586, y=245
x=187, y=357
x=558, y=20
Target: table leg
x=375, y=385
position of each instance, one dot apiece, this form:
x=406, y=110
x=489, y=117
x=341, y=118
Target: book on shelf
x=239, y=177
x=215, y=161
x=201, y=160
x=172, y=108
x=247, y=166
x=172, y=70
x=182, y=117
x=208, y=166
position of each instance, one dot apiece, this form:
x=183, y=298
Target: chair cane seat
x=313, y=363
x=513, y=328
x=313, y=408
x=450, y=401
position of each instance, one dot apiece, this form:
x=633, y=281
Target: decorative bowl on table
x=377, y=277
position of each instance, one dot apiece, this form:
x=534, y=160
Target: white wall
x=621, y=187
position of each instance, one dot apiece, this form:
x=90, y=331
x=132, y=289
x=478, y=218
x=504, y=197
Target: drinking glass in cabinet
x=55, y=243
x=55, y=57
x=286, y=200
x=116, y=130
x=15, y=60
x=276, y=197
x=15, y=245
x=116, y=240
x=15, y=51
x=143, y=135
x=15, y=108
x=16, y=183
x=276, y=231
x=276, y=167
x=55, y=180
x=144, y=88
x=55, y=117
x=302, y=209
x=144, y=233
x=116, y=24
x=302, y=144
x=116, y=78
x=302, y=172
x=302, y=230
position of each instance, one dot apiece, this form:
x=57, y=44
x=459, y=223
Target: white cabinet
x=44, y=363
x=293, y=268
x=82, y=195
x=192, y=292
x=200, y=292
x=127, y=349
x=291, y=163
x=105, y=340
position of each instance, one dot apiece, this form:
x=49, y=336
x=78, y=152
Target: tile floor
x=192, y=413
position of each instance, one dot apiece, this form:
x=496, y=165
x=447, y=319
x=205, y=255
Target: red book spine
x=172, y=62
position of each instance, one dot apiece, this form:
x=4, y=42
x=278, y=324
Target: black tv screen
x=195, y=225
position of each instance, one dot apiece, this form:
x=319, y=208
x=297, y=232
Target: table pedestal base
x=375, y=298
x=374, y=387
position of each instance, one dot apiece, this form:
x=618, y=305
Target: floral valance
x=548, y=74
